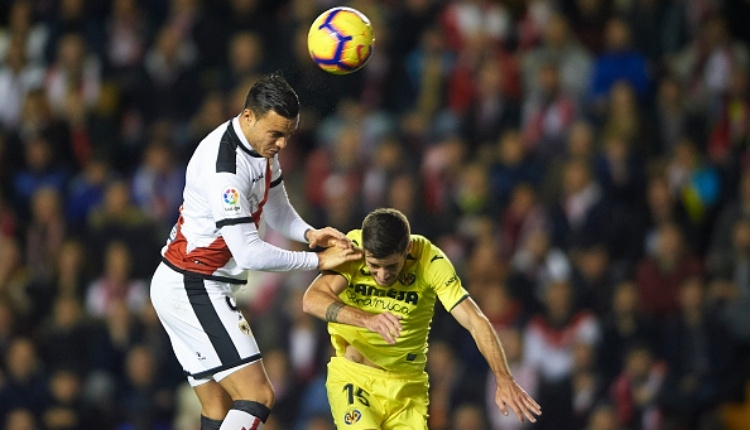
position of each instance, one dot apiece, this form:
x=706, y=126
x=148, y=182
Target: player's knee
x=263, y=394
x=266, y=395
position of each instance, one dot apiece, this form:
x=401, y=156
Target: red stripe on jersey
x=255, y=424
x=203, y=260
x=256, y=215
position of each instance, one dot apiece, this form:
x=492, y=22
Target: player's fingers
x=386, y=333
x=393, y=319
x=531, y=403
x=522, y=409
x=343, y=243
x=503, y=408
x=393, y=322
x=313, y=241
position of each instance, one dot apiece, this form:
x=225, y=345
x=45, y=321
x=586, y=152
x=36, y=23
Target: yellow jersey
x=427, y=276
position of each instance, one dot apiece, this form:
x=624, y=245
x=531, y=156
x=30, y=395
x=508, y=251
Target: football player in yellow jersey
x=379, y=312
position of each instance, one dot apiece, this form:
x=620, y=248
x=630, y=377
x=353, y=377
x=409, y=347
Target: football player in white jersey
x=234, y=181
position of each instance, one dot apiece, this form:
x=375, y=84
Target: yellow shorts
x=365, y=398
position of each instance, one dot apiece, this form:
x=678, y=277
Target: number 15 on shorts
x=353, y=392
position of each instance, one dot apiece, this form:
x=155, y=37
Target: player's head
x=273, y=93
x=386, y=239
x=271, y=115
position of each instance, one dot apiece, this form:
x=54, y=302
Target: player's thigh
x=215, y=401
x=407, y=405
x=349, y=394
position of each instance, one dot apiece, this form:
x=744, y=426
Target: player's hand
x=510, y=395
x=386, y=325
x=335, y=256
x=327, y=237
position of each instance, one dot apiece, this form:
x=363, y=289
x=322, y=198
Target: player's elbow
x=307, y=303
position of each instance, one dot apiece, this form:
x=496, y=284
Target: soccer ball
x=340, y=40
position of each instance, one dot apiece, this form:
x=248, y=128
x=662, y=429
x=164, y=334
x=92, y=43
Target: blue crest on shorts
x=351, y=417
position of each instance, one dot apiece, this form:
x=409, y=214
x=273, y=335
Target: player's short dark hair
x=273, y=93
x=385, y=232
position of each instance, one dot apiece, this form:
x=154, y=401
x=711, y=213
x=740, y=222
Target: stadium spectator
x=699, y=360
x=493, y=111
x=603, y=417
x=549, y=344
x=74, y=70
x=705, y=64
x=127, y=30
x=17, y=76
x=561, y=47
x=25, y=381
x=535, y=265
x=86, y=191
x=582, y=213
x=660, y=275
x=636, y=391
x=20, y=419
x=512, y=165
x=547, y=114
x=45, y=233
x=673, y=119
x=618, y=62
x=116, y=283
x=144, y=403
x=62, y=337
x=157, y=184
x=625, y=325
x=23, y=25
x=65, y=409
x=42, y=170
x=523, y=215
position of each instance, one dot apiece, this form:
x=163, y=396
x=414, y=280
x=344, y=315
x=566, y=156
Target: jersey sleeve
x=349, y=269
x=279, y=212
x=228, y=200
x=443, y=278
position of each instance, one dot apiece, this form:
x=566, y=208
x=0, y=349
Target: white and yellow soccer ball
x=340, y=40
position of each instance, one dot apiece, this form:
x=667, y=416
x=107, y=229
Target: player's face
x=385, y=271
x=268, y=134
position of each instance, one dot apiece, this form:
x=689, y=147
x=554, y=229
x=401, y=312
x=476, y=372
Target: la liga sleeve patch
x=230, y=198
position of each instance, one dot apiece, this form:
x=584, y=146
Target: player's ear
x=409, y=246
x=248, y=115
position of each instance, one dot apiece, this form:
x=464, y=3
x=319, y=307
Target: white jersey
x=228, y=186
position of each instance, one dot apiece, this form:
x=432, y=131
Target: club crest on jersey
x=407, y=278
x=231, y=200
x=351, y=417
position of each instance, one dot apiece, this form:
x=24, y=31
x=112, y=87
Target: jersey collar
x=243, y=143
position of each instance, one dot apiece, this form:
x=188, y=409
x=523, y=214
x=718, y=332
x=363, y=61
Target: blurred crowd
x=584, y=163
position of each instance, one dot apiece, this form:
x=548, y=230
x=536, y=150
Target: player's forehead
x=386, y=261
x=272, y=121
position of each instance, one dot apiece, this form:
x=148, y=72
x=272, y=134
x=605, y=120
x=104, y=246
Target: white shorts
x=203, y=324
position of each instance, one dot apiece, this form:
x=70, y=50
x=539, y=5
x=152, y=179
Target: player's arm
x=253, y=253
x=322, y=300
x=509, y=393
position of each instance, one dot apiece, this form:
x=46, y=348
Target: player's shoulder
x=355, y=236
x=422, y=248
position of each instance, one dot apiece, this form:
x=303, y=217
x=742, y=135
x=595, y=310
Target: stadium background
x=583, y=162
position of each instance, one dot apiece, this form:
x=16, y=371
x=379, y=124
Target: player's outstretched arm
x=321, y=300
x=509, y=394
